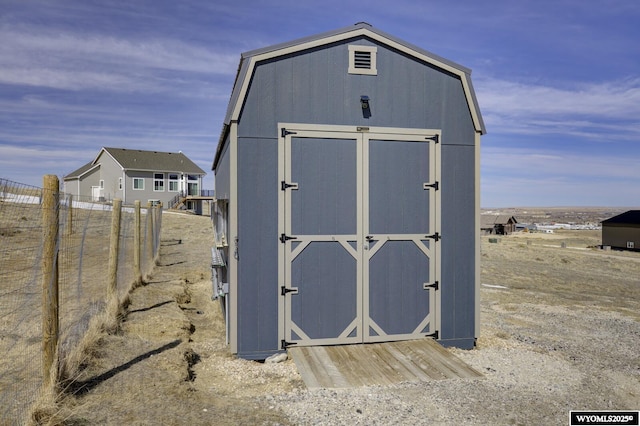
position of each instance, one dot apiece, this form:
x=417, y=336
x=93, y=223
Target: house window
x=158, y=181
x=630, y=244
x=138, y=183
x=192, y=185
x=120, y=184
x=173, y=182
x=362, y=60
x=101, y=184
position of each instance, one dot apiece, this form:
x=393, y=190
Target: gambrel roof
x=249, y=60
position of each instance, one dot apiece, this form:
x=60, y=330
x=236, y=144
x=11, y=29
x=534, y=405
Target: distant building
x=167, y=178
x=622, y=231
x=502, y=224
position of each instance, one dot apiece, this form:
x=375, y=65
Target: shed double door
x=359, y=234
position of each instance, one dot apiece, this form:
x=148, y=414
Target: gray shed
x=347, y=184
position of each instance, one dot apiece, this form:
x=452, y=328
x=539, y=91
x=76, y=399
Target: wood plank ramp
x=347, y=366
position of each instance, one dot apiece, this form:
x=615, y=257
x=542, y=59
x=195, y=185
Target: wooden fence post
x=114, y=248
x=50, y=233
x=136, y=244
x=149, y=242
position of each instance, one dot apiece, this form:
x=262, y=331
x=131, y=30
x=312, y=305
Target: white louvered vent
x=362, y=60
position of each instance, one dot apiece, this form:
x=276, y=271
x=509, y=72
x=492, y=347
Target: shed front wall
x=314, y=87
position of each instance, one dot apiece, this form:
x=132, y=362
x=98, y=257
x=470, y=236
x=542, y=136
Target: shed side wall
x=618, y=236
x=222, y=174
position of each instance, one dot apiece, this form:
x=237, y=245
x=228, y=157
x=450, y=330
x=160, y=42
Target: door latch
x=284, y=290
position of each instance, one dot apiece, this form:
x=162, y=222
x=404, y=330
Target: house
x=167, y=178
x=622, y=231
x=502, y=224
x=347, y=185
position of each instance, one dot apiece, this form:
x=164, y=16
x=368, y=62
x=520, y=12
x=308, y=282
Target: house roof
x=135, y=159
x=490, y=220
x=77, y=174
x=631, y=217
x=248, y=61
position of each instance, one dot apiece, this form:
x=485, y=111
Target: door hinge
x=284, y=238
x=284, y=132
x=284, y=290
x=435, y=138
x=435, y=185
x=435, y=236
x=284, y=344
x=435, y=285
x=435, y=335
x=284, y=185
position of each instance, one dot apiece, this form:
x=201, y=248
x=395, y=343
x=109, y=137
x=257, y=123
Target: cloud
x=586, y=110
x=76, y=61
x=576, y=166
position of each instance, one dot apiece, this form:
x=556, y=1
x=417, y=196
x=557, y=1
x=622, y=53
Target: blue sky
x=558, y=82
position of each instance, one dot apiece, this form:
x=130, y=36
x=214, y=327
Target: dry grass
x=545, y=345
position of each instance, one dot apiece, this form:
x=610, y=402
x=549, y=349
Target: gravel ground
x=560, y=331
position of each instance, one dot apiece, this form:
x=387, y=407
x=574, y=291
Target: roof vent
x=362, y=60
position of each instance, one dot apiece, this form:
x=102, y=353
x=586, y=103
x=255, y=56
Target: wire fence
x=62, y=263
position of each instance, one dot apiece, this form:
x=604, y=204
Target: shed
x=347, y=184
x=622, y=231
x=498, y=224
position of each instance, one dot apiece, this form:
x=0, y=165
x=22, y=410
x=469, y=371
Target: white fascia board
x=252, y=60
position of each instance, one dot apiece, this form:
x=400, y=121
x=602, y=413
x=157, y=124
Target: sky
x=558, y=82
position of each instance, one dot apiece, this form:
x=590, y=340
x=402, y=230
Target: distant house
x=167, y=178
x=492, y=224
x=622, y=231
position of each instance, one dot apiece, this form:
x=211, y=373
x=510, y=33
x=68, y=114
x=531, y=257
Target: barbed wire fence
x=67, y=263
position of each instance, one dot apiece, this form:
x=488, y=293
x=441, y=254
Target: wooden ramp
x=378, y=364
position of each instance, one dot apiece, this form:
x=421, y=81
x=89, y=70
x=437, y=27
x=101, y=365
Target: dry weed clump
x=70, y=362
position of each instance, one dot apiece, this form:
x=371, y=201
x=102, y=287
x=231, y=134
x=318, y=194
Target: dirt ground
x=560, y=331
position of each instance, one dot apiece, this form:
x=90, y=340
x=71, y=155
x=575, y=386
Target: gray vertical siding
x=398, y=202
x=223, y=188
x=458, y=246
x=257, y=247
x=326, y=200
x=398, y=301
x=325, y=275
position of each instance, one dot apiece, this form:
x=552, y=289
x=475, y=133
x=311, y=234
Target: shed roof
x=136, y=159
x=631, y=217
x=496, y=219
x=249, y=59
